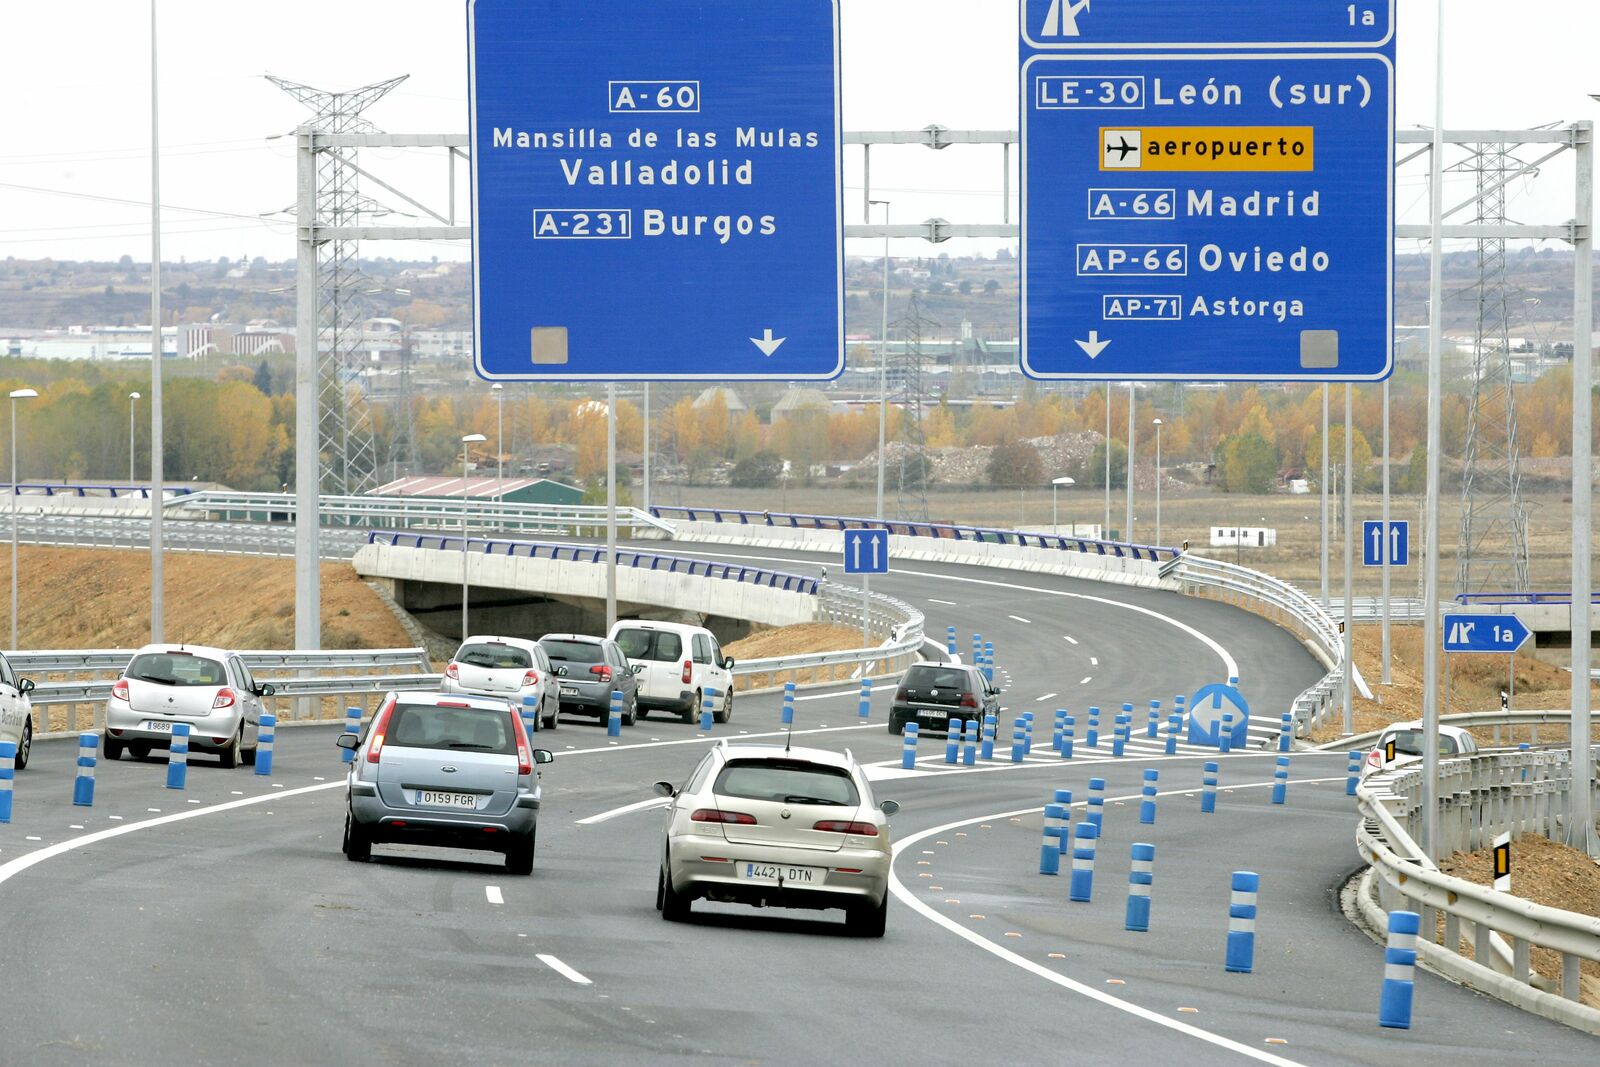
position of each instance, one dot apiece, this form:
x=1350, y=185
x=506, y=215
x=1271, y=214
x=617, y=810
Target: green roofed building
x=509, y=490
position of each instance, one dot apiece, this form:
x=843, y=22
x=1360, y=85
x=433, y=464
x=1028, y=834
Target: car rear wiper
x=811, y=800
x=463, y=744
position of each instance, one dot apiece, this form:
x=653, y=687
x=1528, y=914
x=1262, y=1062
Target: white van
x=676, y=663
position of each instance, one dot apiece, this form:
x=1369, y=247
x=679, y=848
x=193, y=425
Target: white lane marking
x=1019, y=618
x=492, y=892
x=626, y=809
x=1087, y=680
x=856, y=692
x=1047, y=696
x=562, y=969
x=1094, y=661
x=910, y=900
x=946, y=603
x=1069, y=640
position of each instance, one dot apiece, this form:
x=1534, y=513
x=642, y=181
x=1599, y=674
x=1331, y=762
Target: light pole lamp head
x=135, y=395
x=473, y=439
x=1063, y=482
x=24, y=394
x=496, y=387
x=1155, y=422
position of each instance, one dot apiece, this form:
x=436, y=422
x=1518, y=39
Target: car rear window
x=1410, y=742
x=662, y=645
x=495, y=655
x=574, y=651
x=787, y=781
x=176, y=669
x=469, y=729
x=925, y=677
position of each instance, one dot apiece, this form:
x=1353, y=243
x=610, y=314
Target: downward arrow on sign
x=1094, y=346
x=768, y=343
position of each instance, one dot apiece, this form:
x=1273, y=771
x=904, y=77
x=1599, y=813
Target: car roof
x=175, y=649
x=590, y=638
x=1453, y=731
x=652, y=624
x=826, y=757
x=485, y=639
x=415, y=696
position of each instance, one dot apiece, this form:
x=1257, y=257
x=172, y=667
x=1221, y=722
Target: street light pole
x=1105, y=525
x=158, y=472
x=883, y=361
x=466, y=460
x=499, y=438
x=1127, y=534
x=1322, y=560
x=1055, y=517
x=1157, y=424
x=133, y=407
x=16, y=395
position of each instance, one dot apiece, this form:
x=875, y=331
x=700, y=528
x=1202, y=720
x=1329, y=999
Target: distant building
x=730, y=400
x=509, y=490
x=797, y=400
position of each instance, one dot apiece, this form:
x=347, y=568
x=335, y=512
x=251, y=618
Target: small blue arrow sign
x=866, y=551
x=1372, y=544
x=1484, y=633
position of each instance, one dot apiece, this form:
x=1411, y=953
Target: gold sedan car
x=782, y=827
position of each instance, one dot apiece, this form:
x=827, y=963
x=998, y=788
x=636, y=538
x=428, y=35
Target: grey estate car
x=587, y=670
x=445, y=770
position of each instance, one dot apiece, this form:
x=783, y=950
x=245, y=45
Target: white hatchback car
x=210, y=689
x=16, y=712
x=675, y=664
x=510, y=668
x=1407, y=738
x=786, y=827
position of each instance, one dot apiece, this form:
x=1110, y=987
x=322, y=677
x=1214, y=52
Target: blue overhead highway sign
x=866, y=551
x=657, y=189
x=1372, y=543
x=1215, y=24
x=1210, y=215
x=1484, y=633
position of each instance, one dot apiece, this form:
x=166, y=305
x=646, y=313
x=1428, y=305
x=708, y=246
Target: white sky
x=75, y=82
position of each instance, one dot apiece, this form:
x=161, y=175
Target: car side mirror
x=25, y=685
x=727, y=664
x=350, y=741
x=889, y=807
x=637, y=668
x=266, y=689
x=665, y=789
x=543, y=755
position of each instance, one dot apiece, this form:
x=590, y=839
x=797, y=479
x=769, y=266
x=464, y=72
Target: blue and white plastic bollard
x=1399, y=970
x=969, y=744
x=352, y=725
x=1174, y=724
x=1140, y=878
x=707, y=717
x=266, y=739
x=1063, y=799
x=977, y=650
x=1353, y=774
x=83, y=784
x=1286, y=731
x=1119, y=734
x=1241, y=954
x=988, y=660
x=788, y=703
x=530, y=715
x=1068, y=728
x=1097, y=802
x=950, y=641
x=1018, y=740
x=614, y=717
x=1152, y=729
x=1208, y=789
x=8, y=774
x=952, y=741
x=1093, y=738
x=1027, y=733
x=1050, y=847
x=864, y=707
x=1147, y=801
x=1082, y=888
x=178, y=757
x=908, y=749
x=991, y=725
x=1280, y=781
x=1226, y=733
x=1055, y=735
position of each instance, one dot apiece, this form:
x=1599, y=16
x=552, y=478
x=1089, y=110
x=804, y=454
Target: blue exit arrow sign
x=1484, y=633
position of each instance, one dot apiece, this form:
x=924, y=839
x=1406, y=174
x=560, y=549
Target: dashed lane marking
x=1019, y=618
x=562, y=969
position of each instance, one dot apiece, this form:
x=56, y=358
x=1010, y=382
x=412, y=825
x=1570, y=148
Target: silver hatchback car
x=210, y=689
x=786, y=827
x=444, y=770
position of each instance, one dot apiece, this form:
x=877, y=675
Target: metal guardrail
x=1370, y=608
x=626, y=557
x=1480, y=797
x=983, y=535
x=424, y=512
x=1519, y=598
x=113, y=492
x=115, y=659
x=1559, y=720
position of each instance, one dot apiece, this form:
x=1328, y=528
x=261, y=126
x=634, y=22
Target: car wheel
x=25, y=746
x=113, y=749
x=674, y=905
x=896, y=726
x=248, y=755
x=357, y=841
x=551, y=721
x=693, y=710
x=632, y=716
x=519, y=858
x=864, y=920
x=139, y=749
x=229, y=756
x=727, y=708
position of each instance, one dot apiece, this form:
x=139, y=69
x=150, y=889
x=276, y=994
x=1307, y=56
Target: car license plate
x=940, y=715
x=776, y=872
x=159, y=726
x=569, y=691
x=446, y=800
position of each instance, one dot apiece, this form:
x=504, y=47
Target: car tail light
x=688, y=671
x=737, y=818
x=1374, y=758
x=848, y=870
x=120, y=689
x=452, y=704
x=531, y=678
x=901, y=695
x=524, y=752
x=380, y=726
x=602, y=670
x=452, y=672
x=219, y=740
x=224, y=699
x=968, y=700
x=839, y=826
